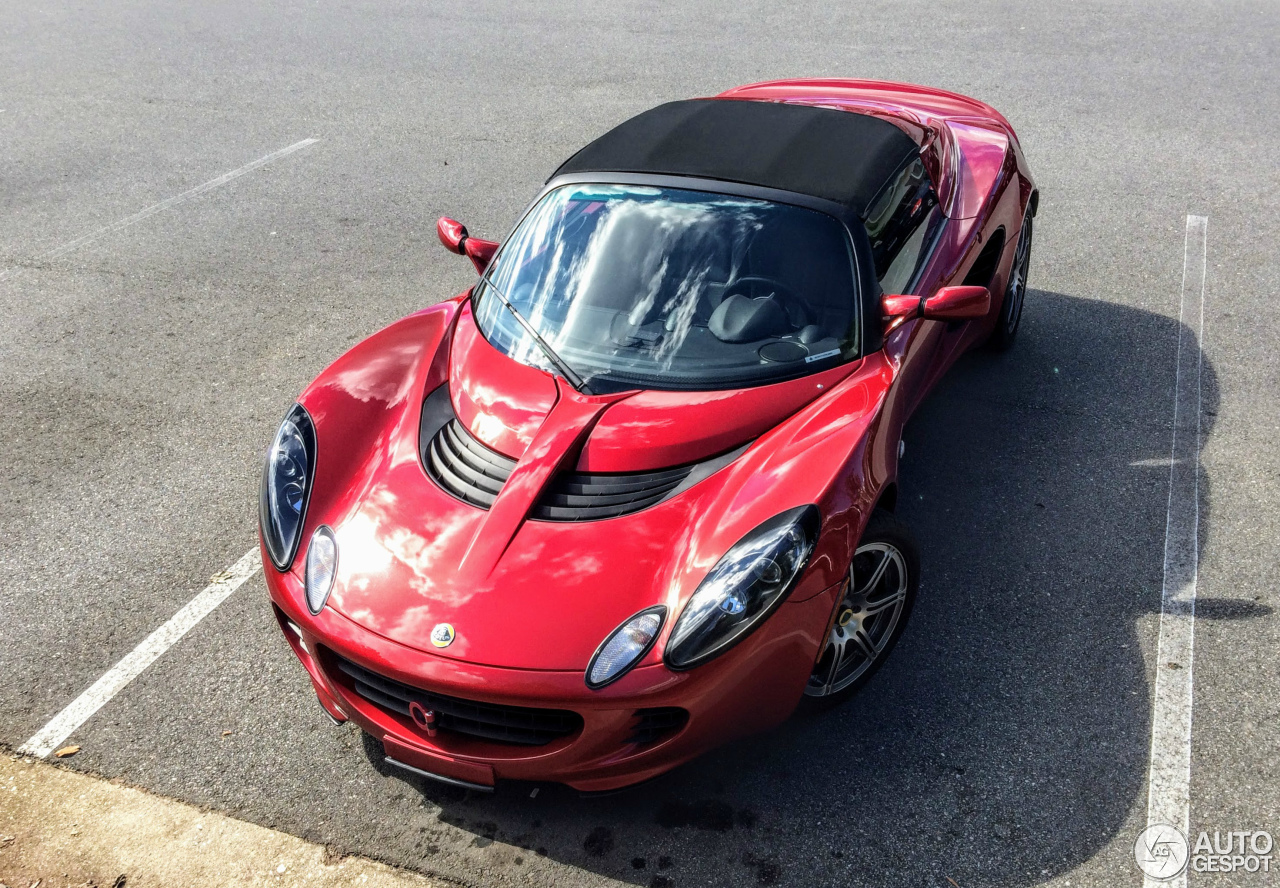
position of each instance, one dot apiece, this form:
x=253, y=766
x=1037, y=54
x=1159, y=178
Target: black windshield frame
x=866, y=289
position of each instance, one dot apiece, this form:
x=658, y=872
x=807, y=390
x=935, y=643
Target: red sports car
x=631, y=495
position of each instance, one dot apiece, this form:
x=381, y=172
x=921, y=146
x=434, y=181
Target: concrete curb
x=64, y=828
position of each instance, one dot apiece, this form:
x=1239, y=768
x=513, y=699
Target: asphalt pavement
x=143, y=373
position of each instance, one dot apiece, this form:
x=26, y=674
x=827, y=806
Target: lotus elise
x=632, y=494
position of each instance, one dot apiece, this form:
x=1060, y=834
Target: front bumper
x=753, y=687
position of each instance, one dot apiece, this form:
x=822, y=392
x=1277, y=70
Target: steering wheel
x=754, y=286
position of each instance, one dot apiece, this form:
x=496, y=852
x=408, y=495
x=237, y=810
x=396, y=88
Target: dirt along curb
x=67, y=829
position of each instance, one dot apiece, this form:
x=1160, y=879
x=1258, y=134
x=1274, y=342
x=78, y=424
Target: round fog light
x=322, y=565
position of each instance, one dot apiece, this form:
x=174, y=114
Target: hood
x=543, y=594
x=503, y=403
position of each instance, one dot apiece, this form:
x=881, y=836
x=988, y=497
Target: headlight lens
x=624, y=647
x=286, y=484
x=322, y=565
x=744, y=587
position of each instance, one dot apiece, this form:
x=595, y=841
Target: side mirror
x=958, y=304
x=948, y=304
x=454, y=236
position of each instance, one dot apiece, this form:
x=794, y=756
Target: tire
x=884, y=577
x=1015, y=292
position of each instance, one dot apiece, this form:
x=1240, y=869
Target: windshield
x=664, y=288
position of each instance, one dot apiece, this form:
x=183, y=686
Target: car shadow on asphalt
x=1007, y=738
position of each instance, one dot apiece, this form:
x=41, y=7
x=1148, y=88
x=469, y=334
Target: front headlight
x=744, y=587
x=286, y=485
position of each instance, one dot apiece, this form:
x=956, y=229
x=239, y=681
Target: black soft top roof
x=837, y=155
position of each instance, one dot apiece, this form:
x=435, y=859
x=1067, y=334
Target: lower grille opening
x=653, y=725
x=515, y=725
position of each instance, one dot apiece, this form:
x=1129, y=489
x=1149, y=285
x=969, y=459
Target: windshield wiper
x=568, y=372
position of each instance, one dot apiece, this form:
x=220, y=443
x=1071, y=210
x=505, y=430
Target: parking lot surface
x=143, y=372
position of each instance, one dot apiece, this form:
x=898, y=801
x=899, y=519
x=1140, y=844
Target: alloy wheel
x=1017, y=289
x=874, y=598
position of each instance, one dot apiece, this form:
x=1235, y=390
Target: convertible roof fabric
x=823, y=152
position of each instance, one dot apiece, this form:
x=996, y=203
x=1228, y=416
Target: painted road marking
x=50, y=737
x=1168, y=786
x=163, y=205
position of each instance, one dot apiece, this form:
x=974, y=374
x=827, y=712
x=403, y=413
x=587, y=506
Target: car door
x=903, y=226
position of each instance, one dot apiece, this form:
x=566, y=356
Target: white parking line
x=163, y=205
x=1168, y=786
x=48, y=738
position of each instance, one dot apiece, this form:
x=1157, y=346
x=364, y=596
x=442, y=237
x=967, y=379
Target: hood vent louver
x=586, y=496
x=590, y=496
x=465, y=467
x=475, y=473
x=454, y=459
